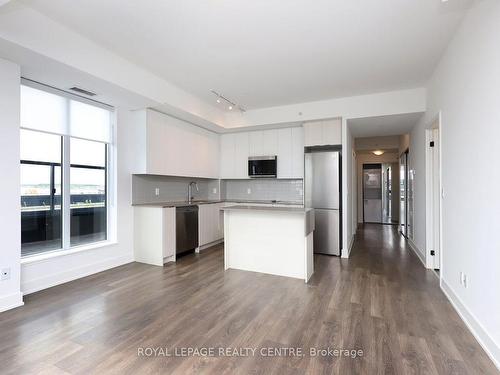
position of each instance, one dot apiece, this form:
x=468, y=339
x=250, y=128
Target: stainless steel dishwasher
x=186, y=227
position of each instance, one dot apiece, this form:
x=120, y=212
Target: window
x=64, y=171
x=88, y=191
x=41, y=217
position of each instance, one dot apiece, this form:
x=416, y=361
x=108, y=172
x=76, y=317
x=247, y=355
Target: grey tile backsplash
x=263, y=190
x=171, y=188
x=175, y=189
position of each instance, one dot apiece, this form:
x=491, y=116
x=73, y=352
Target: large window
x=88, y=191
x=41, y=177
x=64, y=171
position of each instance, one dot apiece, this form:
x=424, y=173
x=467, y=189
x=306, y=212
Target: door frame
x=433, y=224
x=406, y=175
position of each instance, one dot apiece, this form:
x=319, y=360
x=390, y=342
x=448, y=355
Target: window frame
x=109, y=180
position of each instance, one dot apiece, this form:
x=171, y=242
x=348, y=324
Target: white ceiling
x=265, y=53
x=383, y=125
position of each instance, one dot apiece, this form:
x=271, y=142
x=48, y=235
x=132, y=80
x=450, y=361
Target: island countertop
x=300, y=210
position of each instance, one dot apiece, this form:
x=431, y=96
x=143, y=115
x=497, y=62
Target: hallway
x=381, y=301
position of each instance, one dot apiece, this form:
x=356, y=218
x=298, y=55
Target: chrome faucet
x=190, y=191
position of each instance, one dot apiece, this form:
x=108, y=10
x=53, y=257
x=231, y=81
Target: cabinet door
x=227, y=155
x=256, y=143
x=220, y=221
x=168, y=229
x=154, y=141
x=297, y=158
x=285, y=153
x=332, y=132
x=203, y=222
x=313, y=133
x=270, y=142
x=241, y=153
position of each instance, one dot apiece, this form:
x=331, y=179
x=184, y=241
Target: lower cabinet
x=210, y=223
x=154, y=234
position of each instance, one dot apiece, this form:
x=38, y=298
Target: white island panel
x=274, y=241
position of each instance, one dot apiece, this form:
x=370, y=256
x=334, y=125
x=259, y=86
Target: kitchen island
x=273, y=240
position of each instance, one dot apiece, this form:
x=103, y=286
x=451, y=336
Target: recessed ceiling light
x=378, y=152
x=230, y=107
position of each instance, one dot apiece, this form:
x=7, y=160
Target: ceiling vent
x=82, y=91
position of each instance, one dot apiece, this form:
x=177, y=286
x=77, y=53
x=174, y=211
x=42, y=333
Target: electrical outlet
x=214, y=191
x=249, y=191
x=5, y=275
x=157, y=191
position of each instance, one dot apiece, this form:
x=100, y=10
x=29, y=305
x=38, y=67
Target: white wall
x=466, y=88
x=416, y=164
x=348, y=230
x=48, y=272
x=10, y=219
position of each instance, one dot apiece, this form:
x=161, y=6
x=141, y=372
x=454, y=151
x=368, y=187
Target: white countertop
x=201, y=202
x=240, y=207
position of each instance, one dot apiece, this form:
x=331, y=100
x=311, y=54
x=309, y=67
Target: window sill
x=62, y=252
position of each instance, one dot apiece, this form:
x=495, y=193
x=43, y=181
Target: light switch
x=157, y=191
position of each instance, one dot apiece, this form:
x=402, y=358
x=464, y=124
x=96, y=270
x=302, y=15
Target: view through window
x=88, y=191
x=63, y=172
x=41, y=217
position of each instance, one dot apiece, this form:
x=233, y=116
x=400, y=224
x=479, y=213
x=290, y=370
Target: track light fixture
x=227, y=102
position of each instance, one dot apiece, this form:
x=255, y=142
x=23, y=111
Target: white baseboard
x=416, y=251
x=65, y=276
x=491, y=348
x=11, y=301
x=208, y=245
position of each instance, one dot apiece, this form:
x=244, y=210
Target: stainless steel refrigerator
x=323, y=193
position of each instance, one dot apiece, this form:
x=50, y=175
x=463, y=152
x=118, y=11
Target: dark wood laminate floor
x=381, y=301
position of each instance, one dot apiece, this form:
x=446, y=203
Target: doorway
x=372, y=193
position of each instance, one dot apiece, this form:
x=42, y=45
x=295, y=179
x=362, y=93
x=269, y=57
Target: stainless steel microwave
x=262, y=166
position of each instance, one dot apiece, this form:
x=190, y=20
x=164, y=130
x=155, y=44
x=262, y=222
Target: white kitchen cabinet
x=210, y=229
x=286, y=143
x=324, y=132
x=285, y=153
x=256, y=143
x=332, y=131
x=154, y=234
x=227, y=154
x=297, y=152
x=269, y=142
x=241, y=153
x=291, y=153
x=313, y=133
x=175, y=147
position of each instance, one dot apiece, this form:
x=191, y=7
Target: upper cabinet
x=322, y=133
x=175, y=147
x=172, y=147
x=287, y=144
